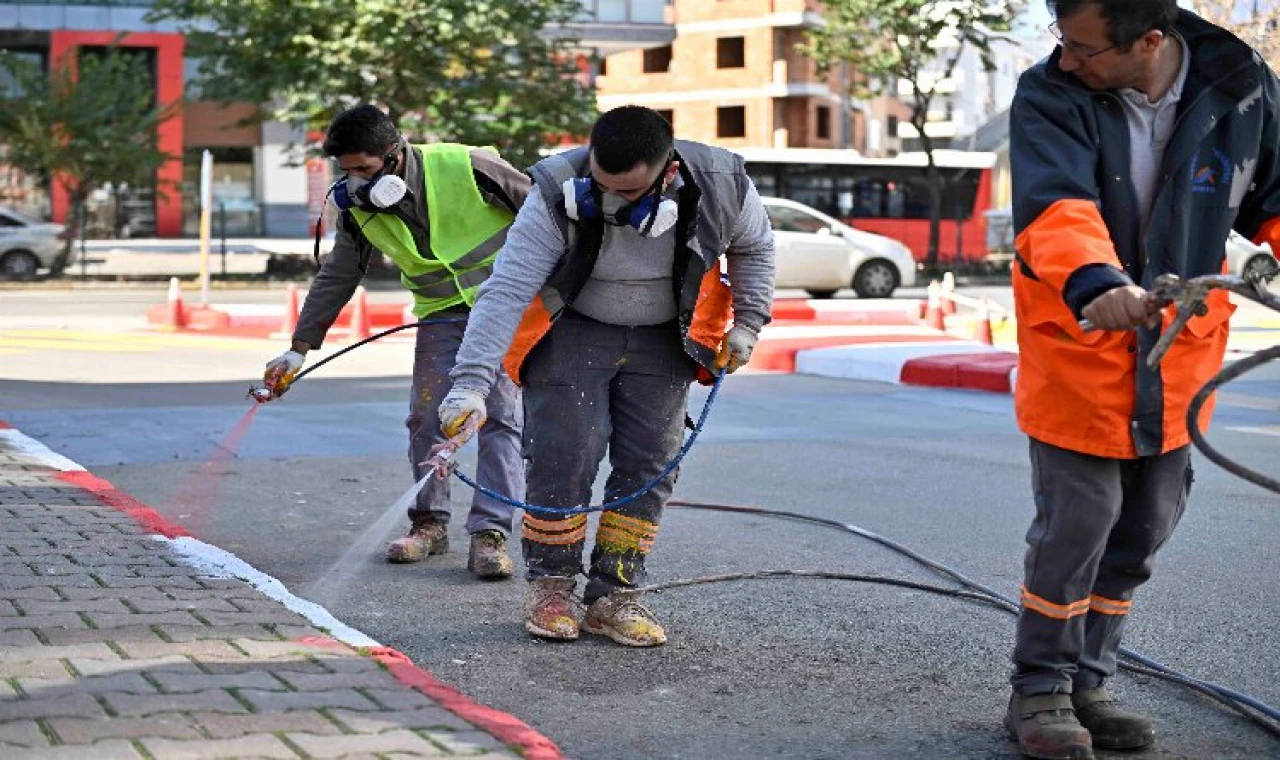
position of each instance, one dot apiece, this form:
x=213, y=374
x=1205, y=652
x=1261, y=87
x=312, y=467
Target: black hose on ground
x=1260, y=713
x=1193, y=418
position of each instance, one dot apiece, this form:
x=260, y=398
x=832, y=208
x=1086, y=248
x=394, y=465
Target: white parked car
x=821, y=255
x=1244, y=258
x=27, y=246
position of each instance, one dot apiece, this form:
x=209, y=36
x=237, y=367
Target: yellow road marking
x=103, y=341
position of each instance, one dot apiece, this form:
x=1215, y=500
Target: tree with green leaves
x=918, y=42
x=481, y=72
x=91, y=120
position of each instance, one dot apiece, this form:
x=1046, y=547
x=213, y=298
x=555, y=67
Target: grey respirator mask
x=381, y=191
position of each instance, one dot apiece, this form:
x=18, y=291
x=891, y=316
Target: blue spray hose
x=610, y=504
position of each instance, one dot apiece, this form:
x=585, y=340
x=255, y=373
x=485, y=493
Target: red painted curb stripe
x=988, y=371
x=507, y=728
x=147, y=517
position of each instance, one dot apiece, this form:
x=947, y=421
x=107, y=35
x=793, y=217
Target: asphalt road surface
x=787, y=668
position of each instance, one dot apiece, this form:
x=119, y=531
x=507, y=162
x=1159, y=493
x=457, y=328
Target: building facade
x=260, y=185
x=733, y=77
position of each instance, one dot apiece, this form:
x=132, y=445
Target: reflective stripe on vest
x=434, y=286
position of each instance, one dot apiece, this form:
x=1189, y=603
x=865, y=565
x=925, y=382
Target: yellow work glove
x=280, y=371
x=458, y=406
x=735, y=349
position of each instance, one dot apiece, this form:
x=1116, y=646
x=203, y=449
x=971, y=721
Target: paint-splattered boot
x=488, y=558
x=552, y=612
x=1111, y=727
x=425, y=538
x=1045, y=726
x=621, y=617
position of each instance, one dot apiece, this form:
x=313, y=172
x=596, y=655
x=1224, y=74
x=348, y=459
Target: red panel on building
x=169, y=81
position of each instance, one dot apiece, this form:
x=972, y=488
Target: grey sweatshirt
x=501, y=185
x=534, y=247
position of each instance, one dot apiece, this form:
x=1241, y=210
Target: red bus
x=887, y=196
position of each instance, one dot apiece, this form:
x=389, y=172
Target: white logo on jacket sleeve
x=1249, y=100
x=1242, y=181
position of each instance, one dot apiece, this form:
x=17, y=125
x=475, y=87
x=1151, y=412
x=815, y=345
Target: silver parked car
x=821, y=255
x=28, y=246
x=1244, y=258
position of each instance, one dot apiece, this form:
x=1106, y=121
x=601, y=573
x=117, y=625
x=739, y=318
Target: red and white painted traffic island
x=780, y=343
x=936, y=363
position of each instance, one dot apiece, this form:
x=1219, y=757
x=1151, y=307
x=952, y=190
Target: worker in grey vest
x=607, y=302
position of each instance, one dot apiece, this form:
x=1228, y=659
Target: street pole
x=206, y=203
x=222, y=234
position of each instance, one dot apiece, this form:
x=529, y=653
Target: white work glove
x=458, y=406
x=281, y=370
x=735, y=350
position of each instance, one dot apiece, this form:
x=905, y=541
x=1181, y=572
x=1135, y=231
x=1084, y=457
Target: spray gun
x=441, y=461
x=273, y=386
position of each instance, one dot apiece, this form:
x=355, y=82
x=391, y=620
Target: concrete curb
x=938, y=364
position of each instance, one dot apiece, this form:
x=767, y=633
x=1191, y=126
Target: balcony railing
x=623, y=12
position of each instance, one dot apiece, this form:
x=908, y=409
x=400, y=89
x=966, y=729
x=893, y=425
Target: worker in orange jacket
x=1135, y=148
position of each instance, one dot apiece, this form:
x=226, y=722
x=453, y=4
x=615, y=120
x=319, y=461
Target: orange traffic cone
x=982, y=329
x=289, y=322
x=933, y=309
x=360, y=315
x=948, y=287
x=177, y=315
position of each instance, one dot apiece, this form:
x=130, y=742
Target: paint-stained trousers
x=500, y=465
x=1098, y=525
x=589, y=386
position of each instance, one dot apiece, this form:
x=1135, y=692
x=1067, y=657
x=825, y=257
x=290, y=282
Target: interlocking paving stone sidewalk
x=111, y=647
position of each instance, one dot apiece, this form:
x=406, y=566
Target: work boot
x=488, y=559
x=552, y=612
x=425, y=538
x=621, y=617
x=1111, y=727
x=1045, y=726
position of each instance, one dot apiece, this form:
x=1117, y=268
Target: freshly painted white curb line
x=220, y=563
x=31, y=447
x=878, y=362
x=211, y=560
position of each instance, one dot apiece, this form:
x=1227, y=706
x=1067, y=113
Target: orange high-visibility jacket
x=1077, y=223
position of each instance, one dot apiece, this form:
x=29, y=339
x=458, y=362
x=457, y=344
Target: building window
x=731, y=52
x=657, y=60
x=603, y=69
x=892, y=122
x=668, y=114
x=731, y=121
x=824, y=122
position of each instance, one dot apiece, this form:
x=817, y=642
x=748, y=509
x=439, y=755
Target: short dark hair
x=1127, y=20
x=363, y=129
x=628, y=135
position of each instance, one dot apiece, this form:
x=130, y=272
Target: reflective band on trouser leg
x=1049, y=609
x=1106, y=606
x=555, y=532
x=619, y=534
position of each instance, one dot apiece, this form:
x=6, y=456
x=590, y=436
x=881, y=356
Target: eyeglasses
x=1081, y=51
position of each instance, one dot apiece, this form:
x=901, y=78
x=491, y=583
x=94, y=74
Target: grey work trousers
x=587, y=386
x=500, y=464
x=1098, y=525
